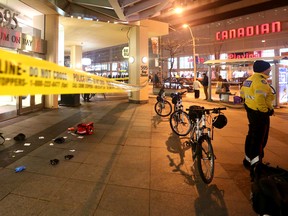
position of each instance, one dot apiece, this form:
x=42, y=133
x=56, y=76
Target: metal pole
x=194, y=52
x=209, y=83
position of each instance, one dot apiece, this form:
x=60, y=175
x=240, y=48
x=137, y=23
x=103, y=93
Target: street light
x=193, y=47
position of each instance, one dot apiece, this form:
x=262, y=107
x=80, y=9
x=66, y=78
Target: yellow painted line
x=23, y=75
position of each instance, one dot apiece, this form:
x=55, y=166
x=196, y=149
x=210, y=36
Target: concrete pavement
x=132, y=165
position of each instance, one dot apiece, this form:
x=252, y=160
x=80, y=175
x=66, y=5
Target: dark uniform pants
x=256, y=140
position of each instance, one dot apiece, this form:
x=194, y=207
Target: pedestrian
x=196, y=87
x=156, y=80
x=86, y=97
x=222, y=86
x=219, y=86
x=258, y=101
x=205, y=83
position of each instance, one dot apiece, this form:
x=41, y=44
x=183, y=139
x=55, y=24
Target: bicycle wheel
x=205, y=159
x=180, y=123
x=163, y=108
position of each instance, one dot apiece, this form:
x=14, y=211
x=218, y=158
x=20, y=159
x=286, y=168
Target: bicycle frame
x=201, y=123
x=200, y=141
x=178, y=96
x=201, y=126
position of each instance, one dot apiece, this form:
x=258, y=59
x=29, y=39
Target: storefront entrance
x=11, y=106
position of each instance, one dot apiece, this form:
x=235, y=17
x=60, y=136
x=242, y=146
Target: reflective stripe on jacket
x=257, y=93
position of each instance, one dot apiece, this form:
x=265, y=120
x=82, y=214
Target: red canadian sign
x=249, y=31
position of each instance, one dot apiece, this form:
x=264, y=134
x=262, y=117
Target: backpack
x=195, y=112
x=83, y=128
x=269, y=191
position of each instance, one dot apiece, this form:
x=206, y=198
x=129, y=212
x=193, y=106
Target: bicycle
x=162, y=107
x=179, y=120
x=201, y=136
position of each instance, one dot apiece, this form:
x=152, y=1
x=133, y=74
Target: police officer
x=258, y=101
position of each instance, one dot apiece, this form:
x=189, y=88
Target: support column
x=52, y=35
x=76, y=57
x=275, y=79
x=138, y=70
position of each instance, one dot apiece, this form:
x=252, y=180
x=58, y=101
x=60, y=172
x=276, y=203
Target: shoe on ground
x=246, y=164
x=54, y=162
x=68, y=157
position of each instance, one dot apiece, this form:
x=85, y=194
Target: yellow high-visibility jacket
x=257, y=93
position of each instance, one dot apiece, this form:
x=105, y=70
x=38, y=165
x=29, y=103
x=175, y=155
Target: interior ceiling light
x=144, y=59
x=178, y=10
x=131, y=59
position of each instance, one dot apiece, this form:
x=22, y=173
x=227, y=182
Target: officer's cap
x=260, y=66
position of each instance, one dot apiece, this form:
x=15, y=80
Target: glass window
x=7, y=103
x=38, y=99
x=283, y=50
x=114, y=66
x=104, y=66
x=26, y=101
x=186, y=62
x=124, y=66
x=268, y=53
x=170, y=61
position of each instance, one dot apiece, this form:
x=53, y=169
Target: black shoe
x=246, y=164
x=54, y=162
x=68, y=157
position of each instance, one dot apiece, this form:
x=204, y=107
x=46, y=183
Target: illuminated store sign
x=241, y=55
x=8, y=18
x=249, y=31
x=17, y=40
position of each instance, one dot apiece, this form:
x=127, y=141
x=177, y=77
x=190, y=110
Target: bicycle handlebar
x=181, y=93
x=214, y=110
x=177, y=93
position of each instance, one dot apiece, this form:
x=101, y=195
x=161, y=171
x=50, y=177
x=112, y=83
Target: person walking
x=157, y=80
x=196, y=87
x=258, y=101
x=205, y=84
x=86, y=97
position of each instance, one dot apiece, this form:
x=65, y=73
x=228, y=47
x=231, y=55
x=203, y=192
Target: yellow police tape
x=24, y=75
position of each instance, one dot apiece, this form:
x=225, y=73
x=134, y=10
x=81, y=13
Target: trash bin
x=237, y=100
x=70, y=100
x=225, y=97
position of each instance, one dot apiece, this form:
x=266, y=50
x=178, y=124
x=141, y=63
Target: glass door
x=30, y=103
x=8, y=107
